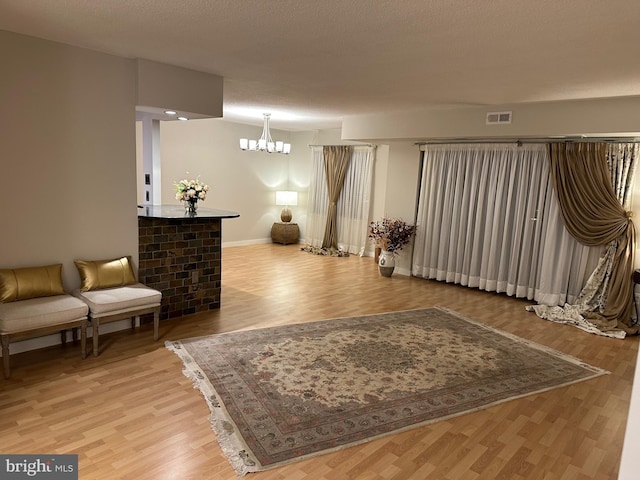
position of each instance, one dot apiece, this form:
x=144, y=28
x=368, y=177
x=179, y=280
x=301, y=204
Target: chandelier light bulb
x=265, y=142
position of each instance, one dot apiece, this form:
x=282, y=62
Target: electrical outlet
x=194, y=276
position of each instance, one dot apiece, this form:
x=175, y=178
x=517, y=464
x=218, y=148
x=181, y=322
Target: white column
x=151, y=166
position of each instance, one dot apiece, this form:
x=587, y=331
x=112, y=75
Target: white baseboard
x=243, y=243
x=256, y=241
x=402, y=271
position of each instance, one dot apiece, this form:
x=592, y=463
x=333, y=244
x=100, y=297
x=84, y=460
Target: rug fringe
x=231, y=444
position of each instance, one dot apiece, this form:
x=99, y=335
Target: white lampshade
x=285, y=197
x=265, y=142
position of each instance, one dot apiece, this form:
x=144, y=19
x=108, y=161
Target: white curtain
x=488, y=218
x=353, y=205
x=318, y=203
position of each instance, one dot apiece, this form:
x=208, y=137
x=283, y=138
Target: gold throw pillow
x=31, y=282
x=96, y=274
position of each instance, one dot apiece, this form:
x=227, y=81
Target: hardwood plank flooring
x=131, y=414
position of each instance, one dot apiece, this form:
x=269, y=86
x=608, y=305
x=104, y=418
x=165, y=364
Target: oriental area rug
x=286, y=393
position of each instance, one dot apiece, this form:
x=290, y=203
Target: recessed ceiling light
x=183, y=118
x=170, y=112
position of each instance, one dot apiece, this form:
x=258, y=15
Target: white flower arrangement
x=191, y=190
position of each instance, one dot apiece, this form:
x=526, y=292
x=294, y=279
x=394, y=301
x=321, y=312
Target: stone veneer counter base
x=180, y=255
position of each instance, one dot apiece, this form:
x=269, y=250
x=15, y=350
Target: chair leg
x=95, y=323
x=4, y=341
x=156, y=325
x=83, y=338
x=63, y=337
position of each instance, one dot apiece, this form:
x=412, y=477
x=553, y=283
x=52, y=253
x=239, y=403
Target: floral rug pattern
x=285, y=393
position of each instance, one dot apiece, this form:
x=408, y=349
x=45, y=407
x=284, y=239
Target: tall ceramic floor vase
x=386, y=263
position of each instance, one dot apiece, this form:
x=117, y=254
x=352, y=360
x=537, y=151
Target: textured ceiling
x=312, y=62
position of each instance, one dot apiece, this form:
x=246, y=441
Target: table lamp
x=287, y=199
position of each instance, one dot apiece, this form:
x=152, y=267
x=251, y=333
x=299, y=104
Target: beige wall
x=67, y=144
x=241, y=181
x=395, y=182
x=570, y=118
x=244, y=182
x=169, y=87
x=67, y=156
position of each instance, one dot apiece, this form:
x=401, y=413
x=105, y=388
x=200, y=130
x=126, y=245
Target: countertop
x=178, y=211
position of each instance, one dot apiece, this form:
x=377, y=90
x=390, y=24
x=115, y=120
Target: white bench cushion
x=110, y=301
x=34, y=313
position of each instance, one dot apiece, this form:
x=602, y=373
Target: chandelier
x=265, y=143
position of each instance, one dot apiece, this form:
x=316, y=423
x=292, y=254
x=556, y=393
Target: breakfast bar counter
x=180, y=255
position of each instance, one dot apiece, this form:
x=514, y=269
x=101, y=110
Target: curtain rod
x=532, y=140
x=359, y=145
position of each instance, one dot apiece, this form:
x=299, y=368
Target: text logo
x=49, y=467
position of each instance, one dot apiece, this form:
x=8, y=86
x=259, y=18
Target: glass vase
x=190, y=207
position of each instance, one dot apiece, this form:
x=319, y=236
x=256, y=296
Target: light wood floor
x=131, y=414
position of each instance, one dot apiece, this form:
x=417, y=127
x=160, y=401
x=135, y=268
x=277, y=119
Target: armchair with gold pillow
x=33, y=303
x=111, y=291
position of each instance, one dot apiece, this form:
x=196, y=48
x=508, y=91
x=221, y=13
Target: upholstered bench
x=110, y=290
x=33, y=303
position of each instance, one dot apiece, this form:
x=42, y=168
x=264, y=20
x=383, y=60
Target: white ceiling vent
x=498, y=118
